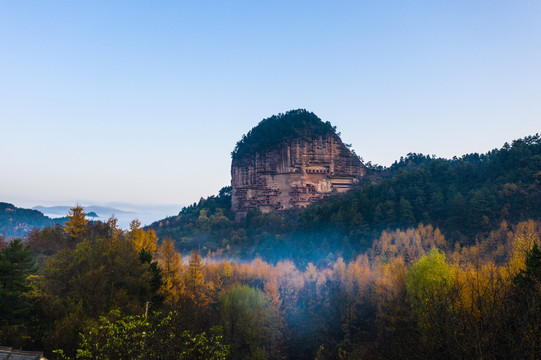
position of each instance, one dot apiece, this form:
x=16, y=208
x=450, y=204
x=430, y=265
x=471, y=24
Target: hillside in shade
x=18, y=222
x=467, y=197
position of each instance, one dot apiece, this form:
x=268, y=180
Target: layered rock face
x=293, y=174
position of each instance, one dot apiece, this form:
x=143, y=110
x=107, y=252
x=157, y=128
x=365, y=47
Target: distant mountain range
x=63, y=210
x=18, y=222
x=124, y=212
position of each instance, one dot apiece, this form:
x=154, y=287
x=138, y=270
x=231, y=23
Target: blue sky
x=143, y=101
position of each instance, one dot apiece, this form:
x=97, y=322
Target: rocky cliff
x=302, y=161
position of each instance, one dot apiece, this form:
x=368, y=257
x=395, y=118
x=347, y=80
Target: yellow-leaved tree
x=195, y=282
x=143, y=239
x=429, y=286
x=76, y=223
x=170, y=262
x=525, y=236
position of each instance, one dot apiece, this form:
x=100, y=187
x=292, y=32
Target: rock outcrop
x=293, y=170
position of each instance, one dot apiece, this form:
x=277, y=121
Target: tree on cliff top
x=278, y=128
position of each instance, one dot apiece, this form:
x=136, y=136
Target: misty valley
x=311, y=253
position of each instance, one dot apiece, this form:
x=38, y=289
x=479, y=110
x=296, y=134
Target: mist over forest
x=270, y=180
x=436, y=258
x=466, y=198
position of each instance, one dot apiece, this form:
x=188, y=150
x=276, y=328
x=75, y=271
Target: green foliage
x=156, y=275
x=524, y=311
x=248, y=321
x=429, y=287
x=18, y=222
x=210, y=220
x=16, y=265
x=397, y=302
x=97, y=275
x=460, y=196
x=137, y=337
x=272, y=131
x=465, y=198
x=209, y=226
x=531, y=276
x=379, y=310
x=429, y=276
x=48, y=241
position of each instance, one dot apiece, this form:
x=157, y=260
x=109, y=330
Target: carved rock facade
x=294, y=174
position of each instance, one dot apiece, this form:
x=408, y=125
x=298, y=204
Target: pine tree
x=16, y=264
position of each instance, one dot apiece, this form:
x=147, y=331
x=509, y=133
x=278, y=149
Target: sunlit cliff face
x=294, y=174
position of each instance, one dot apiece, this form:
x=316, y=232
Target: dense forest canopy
x=441, y=259
x=274, y=130
x=465, y=197
x=89, y=290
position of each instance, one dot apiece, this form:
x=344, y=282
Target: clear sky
x=143, y=101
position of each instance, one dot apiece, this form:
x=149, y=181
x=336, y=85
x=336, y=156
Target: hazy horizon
x=123, y=212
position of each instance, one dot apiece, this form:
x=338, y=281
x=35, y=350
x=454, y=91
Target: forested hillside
x=18, y=222
x=464, y=197
x=89, y=290
x=439, y=260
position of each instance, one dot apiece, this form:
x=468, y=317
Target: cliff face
x=293, y=174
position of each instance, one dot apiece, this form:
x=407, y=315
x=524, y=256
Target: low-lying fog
x=125, y=213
